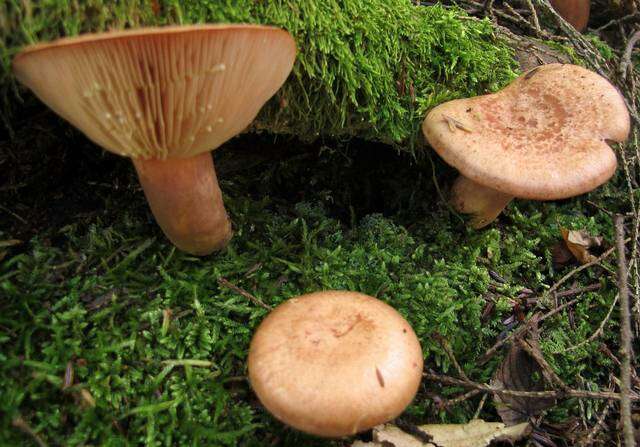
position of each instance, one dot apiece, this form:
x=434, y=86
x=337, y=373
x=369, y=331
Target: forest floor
x=110, y=336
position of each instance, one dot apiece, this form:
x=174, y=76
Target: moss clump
x=366, y=68
x=93, y=288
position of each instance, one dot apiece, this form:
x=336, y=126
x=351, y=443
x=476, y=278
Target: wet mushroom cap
x=335, y=363
x=543, y=137
x=160, y=92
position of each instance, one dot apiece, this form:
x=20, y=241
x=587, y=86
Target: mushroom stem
x=483, y=203
x=185, y=199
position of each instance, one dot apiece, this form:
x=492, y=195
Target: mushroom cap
x=542, y=137
x=334, y=363
x=576, y=12
x=160, y=92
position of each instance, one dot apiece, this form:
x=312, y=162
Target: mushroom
x=165, y=97
x=543, y=137
x=335, y=363
x=575, y=12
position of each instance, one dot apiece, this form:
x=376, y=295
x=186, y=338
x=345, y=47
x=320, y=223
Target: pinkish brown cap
x=160, y=92
x=543, y=137
x=576, y=12
x=335, y=363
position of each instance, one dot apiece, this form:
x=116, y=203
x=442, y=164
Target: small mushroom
x=543, y=137
x=575, y=12
x=165, y=97
x=335, y=363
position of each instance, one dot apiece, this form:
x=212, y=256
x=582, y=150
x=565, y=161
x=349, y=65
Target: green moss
x=365, y=68
x=91, y=288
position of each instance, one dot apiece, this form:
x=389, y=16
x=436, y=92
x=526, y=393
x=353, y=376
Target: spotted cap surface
x=543, y=137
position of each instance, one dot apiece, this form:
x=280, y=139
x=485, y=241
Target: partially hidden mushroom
x=165, y=97
x=543, y=137
x=335, y=363
x=575, y=12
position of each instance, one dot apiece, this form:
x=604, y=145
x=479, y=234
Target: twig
x=223, y=282
x=596, y=334
x=617, y=21
x=625, y=61
x=625, y=335
x=452, y=357
x=566, y=277
x=463, y=397
x=536, y=355
x=599, y=424
x=21, y=425
x=480, y=406
x=534, y=17
x=527, y=325
x=583, y=394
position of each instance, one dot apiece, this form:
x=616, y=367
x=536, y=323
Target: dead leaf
x=519, y=371
x=579, y=242
x=477, y=433
x=560, y=255
x=455, y=124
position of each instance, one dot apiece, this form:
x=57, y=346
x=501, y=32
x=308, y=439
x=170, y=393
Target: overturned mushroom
x=165, y=97
x=543, y=137
x=575, y=12
x=335, y=363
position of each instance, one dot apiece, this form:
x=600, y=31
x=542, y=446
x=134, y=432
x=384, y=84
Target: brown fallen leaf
x=560, y=255
x=455, y=124
x=519, y=371
x=477, y=433
x=579, y=242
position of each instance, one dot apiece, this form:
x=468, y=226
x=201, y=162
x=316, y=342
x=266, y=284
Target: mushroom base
x=483, y=203
x=185, y=199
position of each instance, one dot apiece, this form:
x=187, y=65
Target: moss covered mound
x=158, y=345
x=366, y=68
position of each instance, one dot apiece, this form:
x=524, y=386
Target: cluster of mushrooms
x=330, y=363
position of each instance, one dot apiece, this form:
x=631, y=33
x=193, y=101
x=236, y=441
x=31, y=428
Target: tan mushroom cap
x=543, y=137
x=160, y=92
x=335, y=363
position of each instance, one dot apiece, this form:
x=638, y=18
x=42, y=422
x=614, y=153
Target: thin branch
x=625, y=61
x=466, y=396
x=452, y=357
x=599, y=424
x=569, y=275
x=582, y=394
x=528, y=324
x=22, y=425
x=625, y=335
x=223, y=282
x=597, y=333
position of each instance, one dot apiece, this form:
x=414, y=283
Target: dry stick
x=21, y=425
x=480, y=406
x=584, y=394
x=566, y=277
x=534, y=17
x=223, y=282
x=451, y=356
x=596, y=334
x=492, y=350
x=625, y=61
x=617, y=21
x=625, y=335
x=599, y=424
x=461, y=398
x=536, y=355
